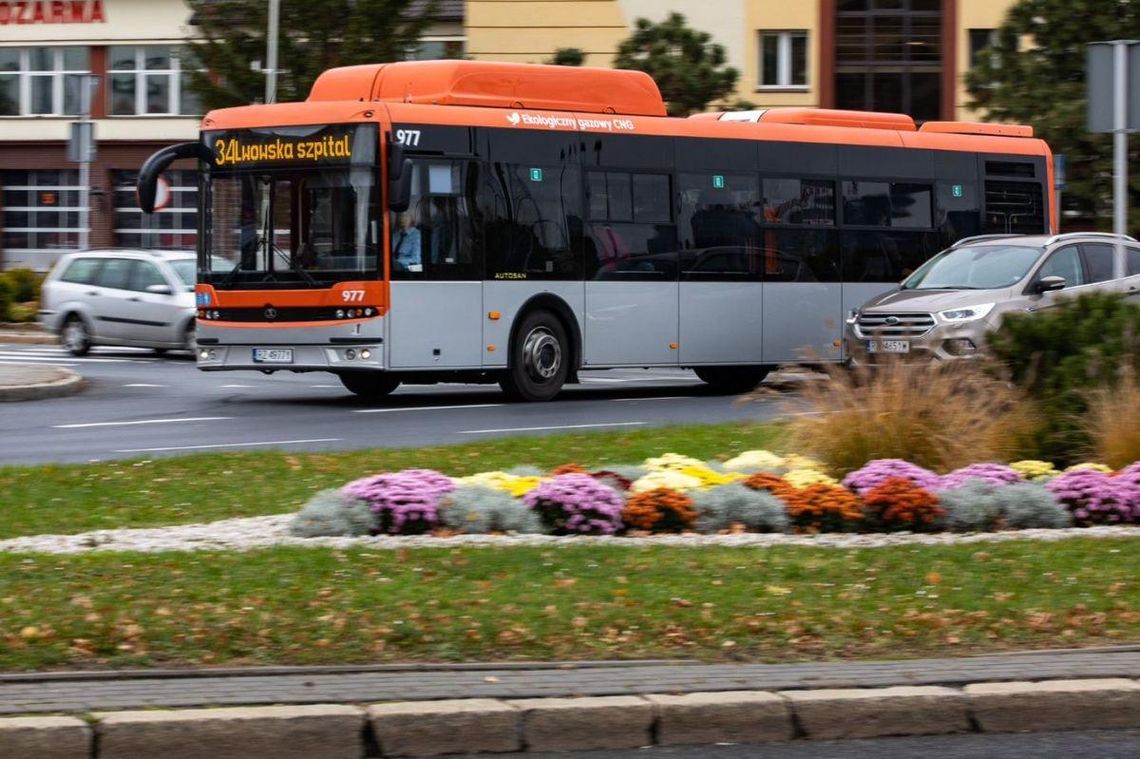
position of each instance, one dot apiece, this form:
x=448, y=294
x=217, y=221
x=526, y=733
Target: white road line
x=637, y=379
x=141, y=421
x=35, y=363
x=246, y=386
x=326, y=387
x=38, y=359
x=142, y=384
x=424, y=408
x=555, y=427
x=227, y=445
x=656, y=398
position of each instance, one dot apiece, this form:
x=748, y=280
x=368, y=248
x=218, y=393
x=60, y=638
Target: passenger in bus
x=407, y=245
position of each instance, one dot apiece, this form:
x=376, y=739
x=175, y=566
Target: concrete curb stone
x=322, y=731
x=430, y=728
x=1055, y=705
x=45, y=738
x=830, y=714
x=56, y=382
x=583, y=724
x=723, y=717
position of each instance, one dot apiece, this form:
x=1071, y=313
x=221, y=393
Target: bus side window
x=719, y=236
x=632, y=233
x=435, y=238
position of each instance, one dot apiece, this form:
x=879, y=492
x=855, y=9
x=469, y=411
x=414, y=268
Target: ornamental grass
x=1111, y=423
x=940, y=416
x=824, y=508
x=659, y=510
x=899, y=504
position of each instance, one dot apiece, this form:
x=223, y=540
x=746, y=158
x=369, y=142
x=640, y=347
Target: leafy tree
x=1034, y=73
x=568, y=56
x=312, y=37
x=689, y=70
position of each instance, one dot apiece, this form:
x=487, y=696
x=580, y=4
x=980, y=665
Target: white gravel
x=266, y=532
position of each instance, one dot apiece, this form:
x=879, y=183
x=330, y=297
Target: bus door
x=436, y=291
x=631, y=261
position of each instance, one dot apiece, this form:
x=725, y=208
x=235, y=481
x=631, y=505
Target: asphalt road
x=139, y=405
x=1104, y=744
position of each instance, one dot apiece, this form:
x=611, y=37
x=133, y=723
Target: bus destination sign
x=294, y=146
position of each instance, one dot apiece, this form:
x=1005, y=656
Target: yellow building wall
x=778, y=16
x=529, y=31
x=974, y=14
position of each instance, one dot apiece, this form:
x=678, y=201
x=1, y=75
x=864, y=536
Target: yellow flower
x=666, y=478
x=671, y=461
x=751, y=461
x=1033, y=469
x=801, y=478
x=508, y=483
x=794, y=461
x=1090, y=466
x=709, y=477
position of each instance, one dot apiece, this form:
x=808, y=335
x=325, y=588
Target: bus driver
x=407, y=247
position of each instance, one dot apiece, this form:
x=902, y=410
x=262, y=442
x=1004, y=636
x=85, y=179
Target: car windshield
x=186, y=269
x=976, y=267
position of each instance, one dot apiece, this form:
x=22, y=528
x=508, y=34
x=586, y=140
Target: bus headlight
x=365, y=354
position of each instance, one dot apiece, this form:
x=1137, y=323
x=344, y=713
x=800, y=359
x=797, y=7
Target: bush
x=479, y=510
x=576, y=504
x=991, y=474
x=659, y=510
x=1096, y=498
x=981, y=506
x=824, y=508
x=1030, y=505
x=773, y=483
x=899, y=504
x=875, y=473
x=406, y=502
x=24, y=283
x=1057, y=355
x=972, y=506
x=5, y=299
x=726, y=506
x=1130, y=474
x=331, y=513
x=941, y=416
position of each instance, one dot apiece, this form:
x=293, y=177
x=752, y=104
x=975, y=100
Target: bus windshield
x=276, y=219
x=975, y=267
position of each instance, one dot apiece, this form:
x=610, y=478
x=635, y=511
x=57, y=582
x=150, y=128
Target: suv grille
x=895, y=325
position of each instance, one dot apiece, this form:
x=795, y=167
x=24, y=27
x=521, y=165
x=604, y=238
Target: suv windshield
x=291, y=207
x=976, y=267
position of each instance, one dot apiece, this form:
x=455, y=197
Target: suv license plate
x=272, y=355
x=888, y=346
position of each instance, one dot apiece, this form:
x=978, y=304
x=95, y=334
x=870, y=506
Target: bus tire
x=732, y=379
x=539, y=360
x=371, y=385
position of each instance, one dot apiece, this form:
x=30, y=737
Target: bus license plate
x=888, y=346
x=272, y=355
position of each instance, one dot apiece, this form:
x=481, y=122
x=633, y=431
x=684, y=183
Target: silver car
x=121, y=297
x=945, y=308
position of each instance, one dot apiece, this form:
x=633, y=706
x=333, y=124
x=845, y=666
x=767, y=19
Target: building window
x=888, y=56
x=436, y=48
x=783, y=59
x=980, y=41
x=42, y=81
x=41, y=216
x=174, y=227
x=151, y=80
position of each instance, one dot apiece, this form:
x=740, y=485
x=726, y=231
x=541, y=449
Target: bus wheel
x=369, y=384
x=732, y=379
x=538, y=361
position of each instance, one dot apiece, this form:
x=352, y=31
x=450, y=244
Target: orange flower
x=823, y=508
x=659, y=510
x=773, y=483
x=567, y=469
x=898, y=504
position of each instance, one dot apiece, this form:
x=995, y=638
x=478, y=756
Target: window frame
x=784, y=61
x=58, y=74
x=174, y=74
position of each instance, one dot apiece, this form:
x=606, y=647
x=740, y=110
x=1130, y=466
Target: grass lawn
x=307, y=605
x=36, y=500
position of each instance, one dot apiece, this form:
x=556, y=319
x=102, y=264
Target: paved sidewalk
x=27, y=382
x=93, y=691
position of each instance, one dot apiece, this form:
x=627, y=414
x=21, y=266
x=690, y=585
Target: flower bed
x=755, y=491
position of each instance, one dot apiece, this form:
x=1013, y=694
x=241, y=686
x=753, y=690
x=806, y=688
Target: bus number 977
x=409, y=137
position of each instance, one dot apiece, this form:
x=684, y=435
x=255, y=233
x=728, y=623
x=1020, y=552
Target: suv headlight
x=966, y=314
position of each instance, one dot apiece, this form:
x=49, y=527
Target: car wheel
x=732, y=379
x=372, y=385
x=539, y=359
x=75, y=336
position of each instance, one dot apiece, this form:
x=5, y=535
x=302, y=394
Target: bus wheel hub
x=541, y=354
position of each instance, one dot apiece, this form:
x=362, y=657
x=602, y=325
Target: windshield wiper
x=296, y=267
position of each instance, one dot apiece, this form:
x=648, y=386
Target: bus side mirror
x=147, y=184
x=400, y=186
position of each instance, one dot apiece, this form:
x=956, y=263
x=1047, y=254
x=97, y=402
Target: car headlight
x=967, y=314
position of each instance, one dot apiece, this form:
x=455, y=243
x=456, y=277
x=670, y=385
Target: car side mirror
x=159, y=289
x=1050, y=284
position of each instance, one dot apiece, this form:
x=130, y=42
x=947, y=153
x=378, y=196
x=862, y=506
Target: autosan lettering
x=232, y=151
x=55, y=12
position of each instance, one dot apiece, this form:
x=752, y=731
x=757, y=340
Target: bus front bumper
x=296, y=358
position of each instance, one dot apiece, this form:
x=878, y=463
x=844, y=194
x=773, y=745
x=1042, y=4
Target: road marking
x=227, y=445
x=555, y=427
x=656, y=398
x=678, y=379
x=424, y=408
x=142, y=384
x=225, y=386
x=327, y=386
x=140, y=421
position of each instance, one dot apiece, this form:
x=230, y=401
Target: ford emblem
x=892, y=320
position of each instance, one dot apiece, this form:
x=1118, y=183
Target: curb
x=28, y=335
x=68, y=383
x=435, y=728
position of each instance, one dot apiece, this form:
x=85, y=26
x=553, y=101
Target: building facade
x=132, y=56
x=908, y=56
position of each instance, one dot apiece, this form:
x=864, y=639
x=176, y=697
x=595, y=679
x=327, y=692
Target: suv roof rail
x=976, y=238
x=1070, y=235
